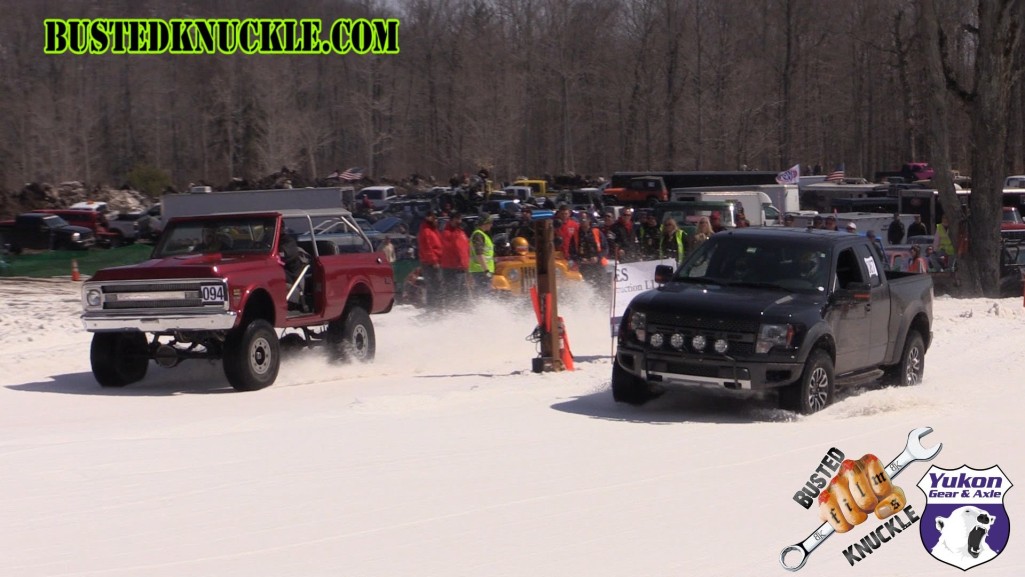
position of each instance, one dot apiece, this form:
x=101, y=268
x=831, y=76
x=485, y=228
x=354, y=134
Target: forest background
x=528, y=88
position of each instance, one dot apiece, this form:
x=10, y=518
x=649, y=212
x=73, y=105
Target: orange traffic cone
x=565, y=352
x=75, y=276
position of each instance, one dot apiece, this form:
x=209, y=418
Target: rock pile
x=44, y=195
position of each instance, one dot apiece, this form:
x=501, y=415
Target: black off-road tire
x=629, y=389
x=912, y=362
x=252, y=356
x=119, y=359
x=816, y=388
x=351, y=337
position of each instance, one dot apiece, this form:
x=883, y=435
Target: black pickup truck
x=802, y=311
x=41, y=231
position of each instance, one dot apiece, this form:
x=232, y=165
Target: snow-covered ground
x=449, y=457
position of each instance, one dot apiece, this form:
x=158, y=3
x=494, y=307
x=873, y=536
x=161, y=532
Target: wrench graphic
x=913, y=451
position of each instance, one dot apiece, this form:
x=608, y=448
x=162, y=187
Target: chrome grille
x=156, y=287
x=175, y=295
x=529, y=276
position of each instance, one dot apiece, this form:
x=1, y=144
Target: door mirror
x=663, y=273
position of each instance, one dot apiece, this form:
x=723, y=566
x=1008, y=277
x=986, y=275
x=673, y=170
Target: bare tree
x=994, y=33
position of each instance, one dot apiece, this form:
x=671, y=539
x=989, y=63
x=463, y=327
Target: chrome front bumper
x=98, y=322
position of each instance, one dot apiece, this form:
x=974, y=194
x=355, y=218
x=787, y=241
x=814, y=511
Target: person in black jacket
x=917, y=228
x=895, y=233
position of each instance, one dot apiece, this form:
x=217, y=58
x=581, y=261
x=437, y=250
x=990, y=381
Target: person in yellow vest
x=670, y=242
x=482, y=255
x=942, y=244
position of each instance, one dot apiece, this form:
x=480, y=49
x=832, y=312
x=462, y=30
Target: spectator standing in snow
x=482, y=256
x=455, y=261
x=428, y=241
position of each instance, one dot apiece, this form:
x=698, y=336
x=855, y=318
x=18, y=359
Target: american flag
x=837, y=175
x=352, y=174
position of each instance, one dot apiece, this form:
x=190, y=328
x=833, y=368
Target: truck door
x=850, y=316
x=878, y=304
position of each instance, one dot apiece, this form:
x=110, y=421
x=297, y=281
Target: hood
x=741, y=303
x=213, y=265
x=81, y=230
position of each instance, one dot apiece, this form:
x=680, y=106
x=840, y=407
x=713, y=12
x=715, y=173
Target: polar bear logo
x=962, y=541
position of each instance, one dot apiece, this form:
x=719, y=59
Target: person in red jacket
x=455, y=261
x=428, y=241
x=567, y=231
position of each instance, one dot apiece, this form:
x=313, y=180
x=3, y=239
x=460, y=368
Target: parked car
x=150, y=223
x=380, y=196
x=42, y=231
x=589, y=200
x=390, y=224
x=111, y=231
x=506, y=208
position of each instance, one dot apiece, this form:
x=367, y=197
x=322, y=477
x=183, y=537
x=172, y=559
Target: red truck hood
x=185, y=266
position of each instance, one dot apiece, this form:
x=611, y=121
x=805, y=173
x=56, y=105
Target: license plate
x=212, y=293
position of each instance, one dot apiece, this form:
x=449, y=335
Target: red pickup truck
x=215, y=288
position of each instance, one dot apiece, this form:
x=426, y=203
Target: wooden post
x=547, y=296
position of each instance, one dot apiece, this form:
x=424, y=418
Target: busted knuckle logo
x=964, y=523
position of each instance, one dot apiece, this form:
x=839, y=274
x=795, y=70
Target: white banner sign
x=791, y=176
x=630, y=280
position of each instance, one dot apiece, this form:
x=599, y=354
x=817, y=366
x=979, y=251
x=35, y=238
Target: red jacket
x=455, y=248
x=428, y=242
x=569, y=233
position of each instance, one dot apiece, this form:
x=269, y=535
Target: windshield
x=225, y=235
x=54, y=221
x=749, y=261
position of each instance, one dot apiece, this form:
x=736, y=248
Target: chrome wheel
x=818, y=389
x=260, y=356
x=914, y=366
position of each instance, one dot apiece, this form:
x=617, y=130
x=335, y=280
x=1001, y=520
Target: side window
x=871, y=264
x=848, y=269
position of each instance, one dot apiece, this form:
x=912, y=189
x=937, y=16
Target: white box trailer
x=193, y=204
x=757, y=205
x=782, y=197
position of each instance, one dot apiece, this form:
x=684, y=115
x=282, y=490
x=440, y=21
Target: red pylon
x=75, y=276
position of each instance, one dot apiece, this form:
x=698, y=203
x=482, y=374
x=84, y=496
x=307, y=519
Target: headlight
x=75, y=236
x=638, y=323
x=721, y=346
x=93, y=297
x=512, y=274
x=676, y=340
x=699, y=342
x=774, y=336
x=657, y=340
